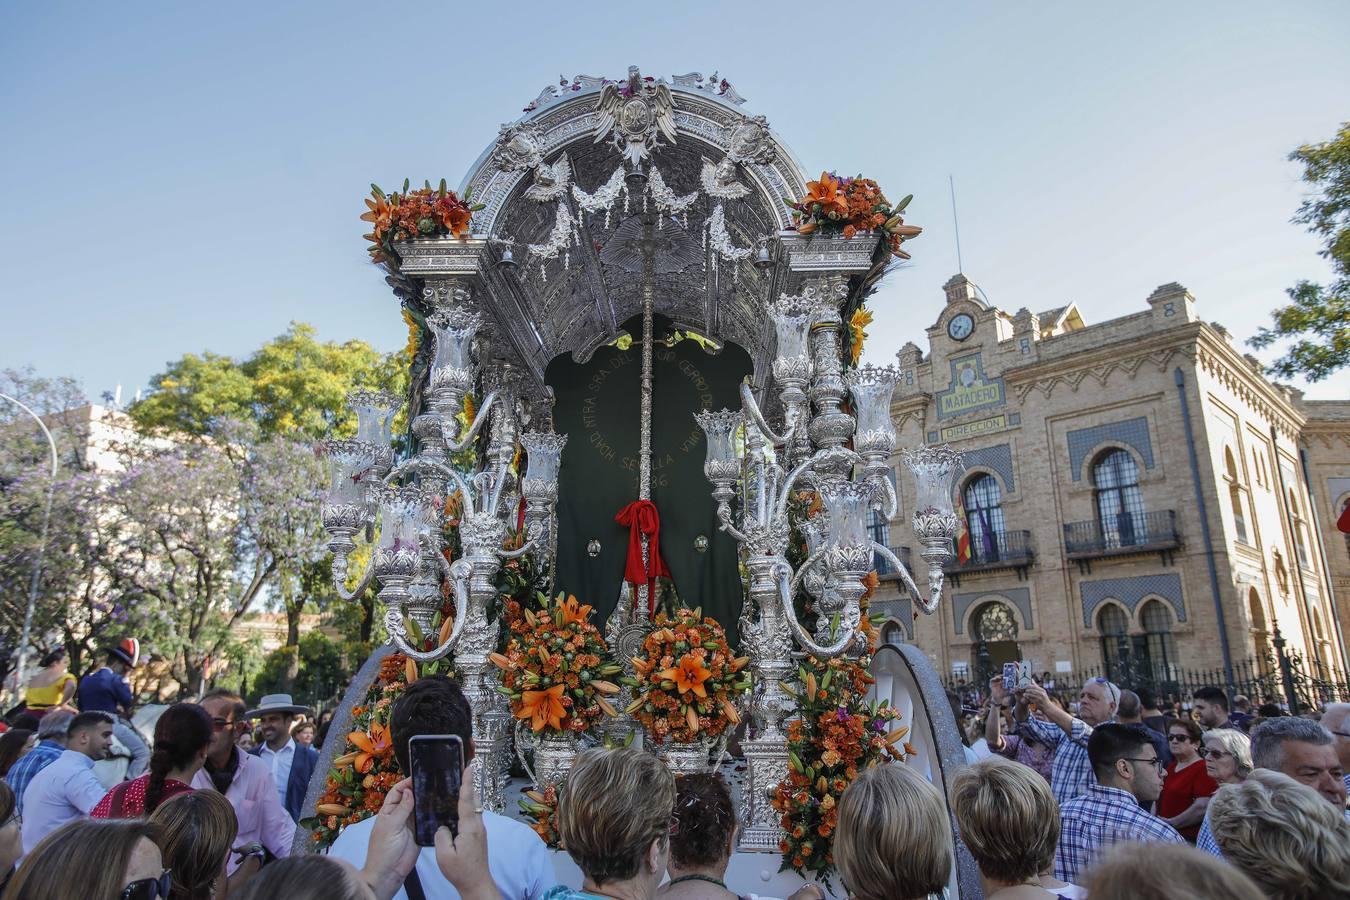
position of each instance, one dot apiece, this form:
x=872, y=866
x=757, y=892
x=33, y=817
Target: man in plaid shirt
x=1071, y=772
x=1128, y=773
x=51, y=744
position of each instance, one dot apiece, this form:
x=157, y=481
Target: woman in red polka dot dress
x=182, y=736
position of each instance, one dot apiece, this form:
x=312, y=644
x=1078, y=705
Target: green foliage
x=293, y=385
x=1318, y=319
x=322, y=668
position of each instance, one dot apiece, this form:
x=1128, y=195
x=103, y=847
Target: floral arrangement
x=555, y=666
x=363, y=775
x=541, y=808
x=861, y=318
x=407, y=214
x=687, y=679
x=851, y=205
x=837, y=736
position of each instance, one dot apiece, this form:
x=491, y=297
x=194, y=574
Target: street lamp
x=42, y=546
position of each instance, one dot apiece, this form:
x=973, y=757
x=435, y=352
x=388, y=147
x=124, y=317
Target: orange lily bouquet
x=555, y=667
x=423, y=213
x=687, y=679
x=849, y=206
x=362, y=776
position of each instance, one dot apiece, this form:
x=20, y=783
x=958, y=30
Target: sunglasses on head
x=148, y=888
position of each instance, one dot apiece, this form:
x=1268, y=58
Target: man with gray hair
x=1130, y=711
x=1071, y=772
x=1305, y=751
x=1301, y=749
x=51, y=734
x=1336, y=719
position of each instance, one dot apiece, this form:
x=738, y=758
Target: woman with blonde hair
x=199, y=830
x=1009, y=820
x=614, y=814
x=1283, y=835
x=93, y=860
x=894, y=840
x=1165, y=872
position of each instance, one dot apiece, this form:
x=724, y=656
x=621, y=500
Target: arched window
x=1300, y=544
x=995, y=631
x=1114, y=627
x=892, y=632
x=1120, y=503
x=983, y=499
x=1265, y=662
x=1235, y=495
x=1159, y=647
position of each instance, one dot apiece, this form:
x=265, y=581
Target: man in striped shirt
x=1128, y=774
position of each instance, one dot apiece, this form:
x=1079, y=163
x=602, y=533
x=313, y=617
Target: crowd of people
x=1104, y=800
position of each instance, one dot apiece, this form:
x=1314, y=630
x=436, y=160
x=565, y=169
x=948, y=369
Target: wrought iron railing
x=885, y=569
x=1259, y=680
x=1122, y=533
x=996, y=549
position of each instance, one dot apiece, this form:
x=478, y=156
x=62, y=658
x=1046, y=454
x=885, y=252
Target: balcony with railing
x=1124, y=534
x=886, y=571
x=995, y=552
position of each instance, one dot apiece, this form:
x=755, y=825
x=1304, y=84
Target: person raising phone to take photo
x=517, y=858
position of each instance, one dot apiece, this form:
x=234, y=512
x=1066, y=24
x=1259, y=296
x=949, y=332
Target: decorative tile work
x=932, y=437
x=997, y=459
x=1131, y=592
x=1018, y=597
x=897, y=608
x=1131, y=432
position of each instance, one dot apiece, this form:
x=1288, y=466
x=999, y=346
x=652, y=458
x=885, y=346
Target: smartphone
x=437, y=762
x=1024, y=679
x=1011, y=671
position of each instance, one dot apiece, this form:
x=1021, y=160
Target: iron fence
x=1122, y=532
x=1283, y=678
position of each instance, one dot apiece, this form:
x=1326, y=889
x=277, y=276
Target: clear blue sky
x=185, y=176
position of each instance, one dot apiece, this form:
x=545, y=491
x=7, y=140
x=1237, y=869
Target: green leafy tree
x=321, y=666
x=293, y=385
x=1318, y=318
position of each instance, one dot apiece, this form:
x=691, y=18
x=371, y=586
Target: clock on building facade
x=961, y=326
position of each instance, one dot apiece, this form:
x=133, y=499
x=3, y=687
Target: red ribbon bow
x=642, y=519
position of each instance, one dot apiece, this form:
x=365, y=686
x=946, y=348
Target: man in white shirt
x=291, y=764
x=245, y=780
x=67, y=789
x=518, y=860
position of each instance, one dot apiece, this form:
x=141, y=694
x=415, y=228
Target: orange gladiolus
x=826, y=193
x=376, y=745
x=572, y=611
x=689, y=675
x=543, y=708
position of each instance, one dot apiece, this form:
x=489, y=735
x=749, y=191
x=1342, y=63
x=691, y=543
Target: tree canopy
x=1318, y=318
x=293, y=385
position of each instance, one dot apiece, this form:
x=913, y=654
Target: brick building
x=1135, y=495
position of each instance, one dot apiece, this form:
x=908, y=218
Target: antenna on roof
x=956, y=225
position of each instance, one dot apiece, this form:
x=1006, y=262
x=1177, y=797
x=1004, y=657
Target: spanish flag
x=963, y=531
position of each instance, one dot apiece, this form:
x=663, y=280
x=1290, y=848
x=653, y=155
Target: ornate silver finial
x=636, y=116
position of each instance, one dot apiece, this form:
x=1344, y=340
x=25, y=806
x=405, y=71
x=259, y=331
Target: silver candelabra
x=402, y=507
x=749, y=462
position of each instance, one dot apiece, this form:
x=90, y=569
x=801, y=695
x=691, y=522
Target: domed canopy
x=560, y=196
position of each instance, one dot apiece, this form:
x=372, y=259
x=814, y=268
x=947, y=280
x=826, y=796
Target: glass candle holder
x=872, y=387
x=544, y=458
x=375, y=412
x=934, y=469
x=792, y=325
x=453, y=332
x=719, y=427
